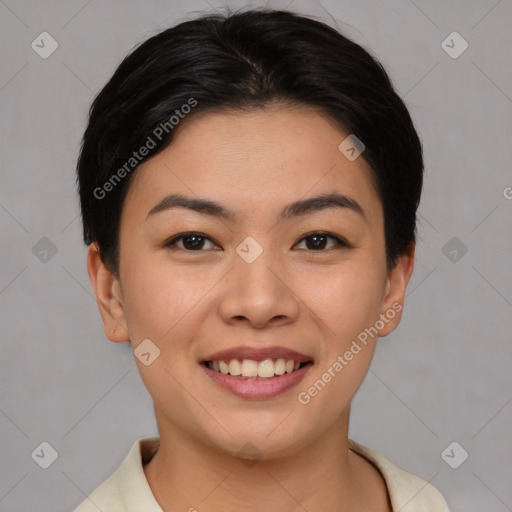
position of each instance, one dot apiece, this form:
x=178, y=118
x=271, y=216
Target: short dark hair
x=244, y=60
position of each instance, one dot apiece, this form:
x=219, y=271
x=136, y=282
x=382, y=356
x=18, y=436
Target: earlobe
x=396, y=287
x=108, y=296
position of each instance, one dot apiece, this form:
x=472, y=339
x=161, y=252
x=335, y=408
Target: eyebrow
x=295, y=209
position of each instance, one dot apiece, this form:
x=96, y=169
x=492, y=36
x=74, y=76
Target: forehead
x=254, y=158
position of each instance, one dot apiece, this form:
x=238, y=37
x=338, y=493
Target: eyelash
x=340, y=242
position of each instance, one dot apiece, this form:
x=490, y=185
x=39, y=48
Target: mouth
x=257, y=373
x=249, y=369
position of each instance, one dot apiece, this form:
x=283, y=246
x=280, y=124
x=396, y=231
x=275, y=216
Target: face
x=261, y=275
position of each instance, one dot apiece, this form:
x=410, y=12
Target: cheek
x=348, y=306
x=165, y=307
x=160, y=301
x=346, y=300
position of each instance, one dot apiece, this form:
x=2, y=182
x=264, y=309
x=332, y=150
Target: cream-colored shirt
x=127, y=489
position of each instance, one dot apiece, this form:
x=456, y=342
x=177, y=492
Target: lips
x=256, y=373
x=257, y=354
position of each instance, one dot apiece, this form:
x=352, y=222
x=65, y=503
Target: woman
x=249, y=186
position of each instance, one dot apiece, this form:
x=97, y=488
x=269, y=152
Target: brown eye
x=318, y=241
x=189, y=242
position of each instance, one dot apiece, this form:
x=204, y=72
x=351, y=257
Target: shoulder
x=106, y=497
x=126, y=489
x=408, y=492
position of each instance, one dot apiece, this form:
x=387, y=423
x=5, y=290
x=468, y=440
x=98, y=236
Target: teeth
x=247, y=368
x=266, y=368
x=223, y=367
x=280, y=367
x=235, y=368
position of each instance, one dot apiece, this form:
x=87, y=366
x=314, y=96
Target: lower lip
x=257, y=389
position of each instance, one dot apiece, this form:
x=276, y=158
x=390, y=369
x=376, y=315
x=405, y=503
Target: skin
x=196, y=302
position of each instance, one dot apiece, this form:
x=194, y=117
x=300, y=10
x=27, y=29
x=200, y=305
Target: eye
x=318, y=241
x=191, y=241
x=195, y=242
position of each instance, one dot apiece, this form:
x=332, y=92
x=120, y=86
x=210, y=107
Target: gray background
x=444, y=375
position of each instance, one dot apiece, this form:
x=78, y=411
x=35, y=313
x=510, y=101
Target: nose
x=259, y=294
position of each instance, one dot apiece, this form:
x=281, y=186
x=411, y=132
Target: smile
x=256, y=373
x=249, y=369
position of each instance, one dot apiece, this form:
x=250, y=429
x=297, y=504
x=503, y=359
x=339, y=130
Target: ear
x=396, y=286
x=108, y=295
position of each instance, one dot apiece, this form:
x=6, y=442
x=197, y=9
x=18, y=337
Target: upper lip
x=257, y=354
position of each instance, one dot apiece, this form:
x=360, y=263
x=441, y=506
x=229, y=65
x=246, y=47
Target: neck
x=188, y=474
